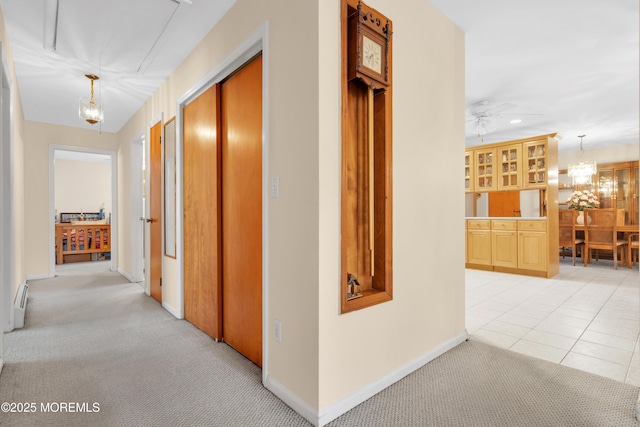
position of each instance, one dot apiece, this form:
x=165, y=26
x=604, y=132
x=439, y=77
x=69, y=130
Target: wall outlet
x=277, y=330
x=275, y=187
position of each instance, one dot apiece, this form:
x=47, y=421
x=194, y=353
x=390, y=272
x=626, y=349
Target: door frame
x=114, y=202
x=257, y=42
x=137, y=210
x=6, y=195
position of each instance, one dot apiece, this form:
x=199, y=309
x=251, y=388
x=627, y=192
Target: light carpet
x=97, y=338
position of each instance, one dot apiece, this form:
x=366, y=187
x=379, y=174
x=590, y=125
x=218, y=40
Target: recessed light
x=514, y=121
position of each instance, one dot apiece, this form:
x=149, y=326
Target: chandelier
x=582, y=172
x=90, y=111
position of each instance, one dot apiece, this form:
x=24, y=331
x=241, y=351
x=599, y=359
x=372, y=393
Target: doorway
x=138, y=195
x=91, y=198
x=222, y=195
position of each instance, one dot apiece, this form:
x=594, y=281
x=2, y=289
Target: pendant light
x=90, y=111
x=582, y=172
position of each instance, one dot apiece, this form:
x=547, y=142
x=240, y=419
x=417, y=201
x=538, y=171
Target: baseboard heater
x=20, y=305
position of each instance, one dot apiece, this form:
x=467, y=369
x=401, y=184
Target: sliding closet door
x=201, y=214
x=241, y=129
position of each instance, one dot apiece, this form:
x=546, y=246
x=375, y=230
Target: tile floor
x=586, y=318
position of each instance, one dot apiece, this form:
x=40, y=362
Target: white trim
x=329, y=413
x=252, y=45
x=38, y=276
x=171, y=310
x=7, y=210
x=127, y=276
x=135, y=197
x=114, y=201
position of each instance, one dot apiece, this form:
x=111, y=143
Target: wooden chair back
x=567, y=219
x=601, y=232
x=600, y=227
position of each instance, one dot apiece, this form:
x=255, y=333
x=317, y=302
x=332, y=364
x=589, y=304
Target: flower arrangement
x=581, y=200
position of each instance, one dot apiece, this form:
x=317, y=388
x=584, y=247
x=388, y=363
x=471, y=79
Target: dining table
x=624, y=229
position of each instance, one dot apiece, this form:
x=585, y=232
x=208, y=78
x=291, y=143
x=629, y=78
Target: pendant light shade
x=90, y=111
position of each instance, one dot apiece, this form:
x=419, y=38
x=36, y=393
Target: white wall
x=359, y=348
x=616, y=153
x=38, y=137
x=82, y=186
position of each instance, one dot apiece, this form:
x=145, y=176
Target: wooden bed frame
x=81, y=237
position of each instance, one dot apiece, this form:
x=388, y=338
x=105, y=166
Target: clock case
x=375, y=26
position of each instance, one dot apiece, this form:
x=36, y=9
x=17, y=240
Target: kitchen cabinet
x=479, y=242
x=532, y=245
x=510, y=167
x=535, y=164
x=519, y=246
x=504, y=243
x=468, y=168
x=484, y=167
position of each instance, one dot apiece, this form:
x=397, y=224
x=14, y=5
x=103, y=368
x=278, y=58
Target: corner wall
x=359, y=349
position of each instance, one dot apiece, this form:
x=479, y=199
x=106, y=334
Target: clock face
x=371, y=54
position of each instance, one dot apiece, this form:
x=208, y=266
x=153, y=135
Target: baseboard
x=329, y=413
x=172, y=310
x=127, y=275
x=38, y=277
x=293, y=401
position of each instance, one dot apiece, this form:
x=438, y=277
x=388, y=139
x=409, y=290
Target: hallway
x=140, y=365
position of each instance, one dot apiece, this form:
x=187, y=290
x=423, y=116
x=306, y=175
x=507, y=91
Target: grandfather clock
x=366, y=202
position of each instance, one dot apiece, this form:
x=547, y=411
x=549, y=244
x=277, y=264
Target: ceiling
x=132, y=45
x=568, y=66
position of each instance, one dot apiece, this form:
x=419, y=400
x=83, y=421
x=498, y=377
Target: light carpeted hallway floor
x=94, y=337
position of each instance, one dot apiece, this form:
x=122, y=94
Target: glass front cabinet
x=510, y=167
x=485, y=167
x=617, y=187
x=535, y=154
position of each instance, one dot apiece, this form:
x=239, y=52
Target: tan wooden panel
x=202, y=294
x=241, y=133
x=501, y=224
x=504, y=248
x=540, y=225
x=155, y=211
x=479, y=224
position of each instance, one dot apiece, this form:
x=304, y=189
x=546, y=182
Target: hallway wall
x=17, y=131
x=38, y=138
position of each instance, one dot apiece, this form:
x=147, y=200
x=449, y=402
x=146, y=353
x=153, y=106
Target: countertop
x=517, y=218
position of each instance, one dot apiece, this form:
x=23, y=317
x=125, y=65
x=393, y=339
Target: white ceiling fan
x=484, y=117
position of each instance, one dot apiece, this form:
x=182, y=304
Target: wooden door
x=241, y=162
x=202, y=300
x=155, y=211
x=504, y=203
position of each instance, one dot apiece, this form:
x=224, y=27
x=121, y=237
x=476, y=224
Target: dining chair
x=632, y=247
x=567, y=219
x=601, y=233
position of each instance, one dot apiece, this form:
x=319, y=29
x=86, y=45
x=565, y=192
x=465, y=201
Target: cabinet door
x=479, y=247
x=468, y=170
x=485, y=169
x=510, y=167
x=504, y=248
x=532, y=250
x=535, y=164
